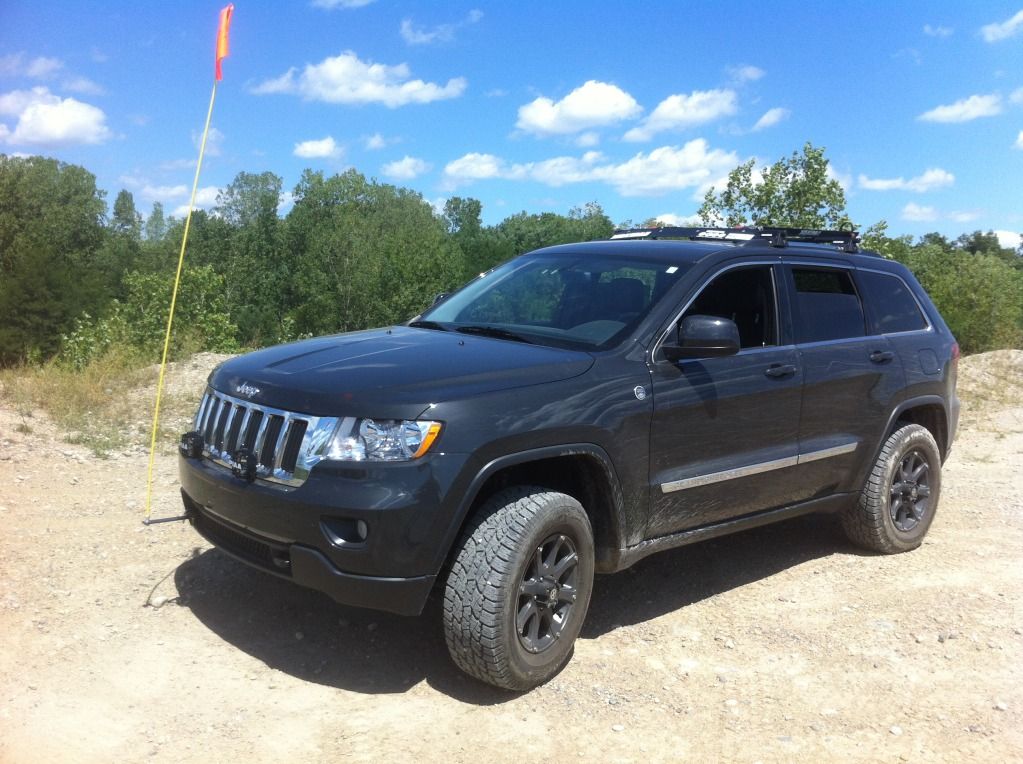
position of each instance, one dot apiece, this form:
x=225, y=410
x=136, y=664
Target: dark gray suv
x=572, y=411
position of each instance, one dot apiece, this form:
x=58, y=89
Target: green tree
x=156, y=224
x=365, y=253
x=51, y=228
x=795, y=191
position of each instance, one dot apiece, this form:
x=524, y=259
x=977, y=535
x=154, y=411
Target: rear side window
x=892, y=306
x=827, y=305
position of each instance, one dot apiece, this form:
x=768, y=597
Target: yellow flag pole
x=170, y=315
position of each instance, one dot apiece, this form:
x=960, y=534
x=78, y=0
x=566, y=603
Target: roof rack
x=848, y=241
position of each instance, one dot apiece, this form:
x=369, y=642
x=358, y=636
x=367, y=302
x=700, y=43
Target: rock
x=158, y=601
x=1001, y=706
x=731, y=702
x=896, y=730
x=618, y=727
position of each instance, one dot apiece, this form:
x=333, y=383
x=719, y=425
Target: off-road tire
x=870, y=523
x=483, y=595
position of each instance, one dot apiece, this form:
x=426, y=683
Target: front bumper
x=308, y=534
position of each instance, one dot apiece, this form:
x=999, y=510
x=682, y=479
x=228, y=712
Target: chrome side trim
x=717, y=477
x=756, y=469
x=826, y=453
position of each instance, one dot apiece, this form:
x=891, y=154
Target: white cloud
x=440, y=33
x=1002, y=30
x=965, y=109
x=43, y=68
x=592, y=104
x=10, y=65
x=331, y=5
x=931, y=179
x=680, y=111
x=83, y=85
x=741, y=74
x=918, y=213
x=214, y=142
x=205, y=198
x=1019, y=140
x=161, y=193
x=375, y=142
x=845, y=180
x=661, y=171
x=324, y=148
x=670, y=218
x=178, y=164
x=964, y=216
x=1009, y=239
x=771, y=118
x=937, y=31
x=347, y=79
x=45, y=119
x=1017, y=96
x=406, y=168
x=587, y=140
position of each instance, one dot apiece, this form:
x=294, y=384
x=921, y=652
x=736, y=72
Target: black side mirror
x=703, y=337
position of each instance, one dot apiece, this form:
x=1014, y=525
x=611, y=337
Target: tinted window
x=827, y=305
x=892, y=307
x=746, y=296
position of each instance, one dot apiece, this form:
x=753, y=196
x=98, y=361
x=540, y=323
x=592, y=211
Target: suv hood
x=390, y=372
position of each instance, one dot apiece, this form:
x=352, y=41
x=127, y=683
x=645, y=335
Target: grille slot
x=287, y=445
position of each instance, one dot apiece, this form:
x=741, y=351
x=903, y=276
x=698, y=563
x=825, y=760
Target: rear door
x=723, y=438
x=850, y=379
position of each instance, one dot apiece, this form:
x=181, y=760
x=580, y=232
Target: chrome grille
x=287, y=445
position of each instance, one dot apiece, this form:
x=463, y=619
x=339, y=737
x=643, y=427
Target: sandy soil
x=129, y=643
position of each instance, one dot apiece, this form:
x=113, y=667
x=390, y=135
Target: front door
x=724, y=432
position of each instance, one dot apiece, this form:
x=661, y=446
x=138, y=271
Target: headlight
x=382, y=440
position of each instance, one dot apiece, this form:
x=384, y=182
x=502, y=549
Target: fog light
x=344, y=531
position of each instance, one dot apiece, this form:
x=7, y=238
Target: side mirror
x=703, y=337
x=441, y=297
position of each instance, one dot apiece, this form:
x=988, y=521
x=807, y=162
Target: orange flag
x=222, y=46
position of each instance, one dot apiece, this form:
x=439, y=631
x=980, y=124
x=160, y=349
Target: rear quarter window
x=827, y=305
x=890, y=304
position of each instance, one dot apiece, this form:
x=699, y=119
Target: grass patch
x=92, y=404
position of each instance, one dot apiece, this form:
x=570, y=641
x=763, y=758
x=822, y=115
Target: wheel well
x=580, y=476
x=930, y=416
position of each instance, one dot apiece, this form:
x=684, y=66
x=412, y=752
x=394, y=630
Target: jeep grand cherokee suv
x=572, y=411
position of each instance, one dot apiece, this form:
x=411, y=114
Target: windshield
x=578, y=301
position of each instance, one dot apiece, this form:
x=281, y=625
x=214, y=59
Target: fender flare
x=599, y=455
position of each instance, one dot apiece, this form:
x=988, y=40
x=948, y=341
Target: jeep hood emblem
x=247, y=390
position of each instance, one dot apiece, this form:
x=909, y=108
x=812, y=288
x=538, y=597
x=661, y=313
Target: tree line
x=77, y=280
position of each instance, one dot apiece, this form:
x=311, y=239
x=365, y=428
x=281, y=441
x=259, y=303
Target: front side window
x=827, y=306
x=893, y=308
x=746, y=296
x=580, y=301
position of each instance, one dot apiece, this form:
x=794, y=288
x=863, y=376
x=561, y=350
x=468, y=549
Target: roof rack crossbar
x=776, y=237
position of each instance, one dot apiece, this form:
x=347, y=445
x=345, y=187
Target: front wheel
x=898, y=502
x=519, y=587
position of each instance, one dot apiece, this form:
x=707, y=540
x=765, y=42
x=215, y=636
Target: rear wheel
x=897, y=504
x=519, y=587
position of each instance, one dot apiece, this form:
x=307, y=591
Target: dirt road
x=126, y=643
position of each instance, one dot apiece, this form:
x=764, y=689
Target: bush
x=979, y=296
x=201, y=321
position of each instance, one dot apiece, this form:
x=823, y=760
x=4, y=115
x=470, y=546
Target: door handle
x=881, y=356
x=780, y=370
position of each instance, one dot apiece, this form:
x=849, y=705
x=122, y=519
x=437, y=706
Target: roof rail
x=848, y=241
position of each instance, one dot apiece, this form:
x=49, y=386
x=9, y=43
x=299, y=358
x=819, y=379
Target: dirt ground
x=125, y=643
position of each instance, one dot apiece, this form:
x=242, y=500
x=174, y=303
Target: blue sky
x=534, y=106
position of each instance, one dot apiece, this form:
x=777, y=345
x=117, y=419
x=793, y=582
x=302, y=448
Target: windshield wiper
x=492, y=331
x=427, y=324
